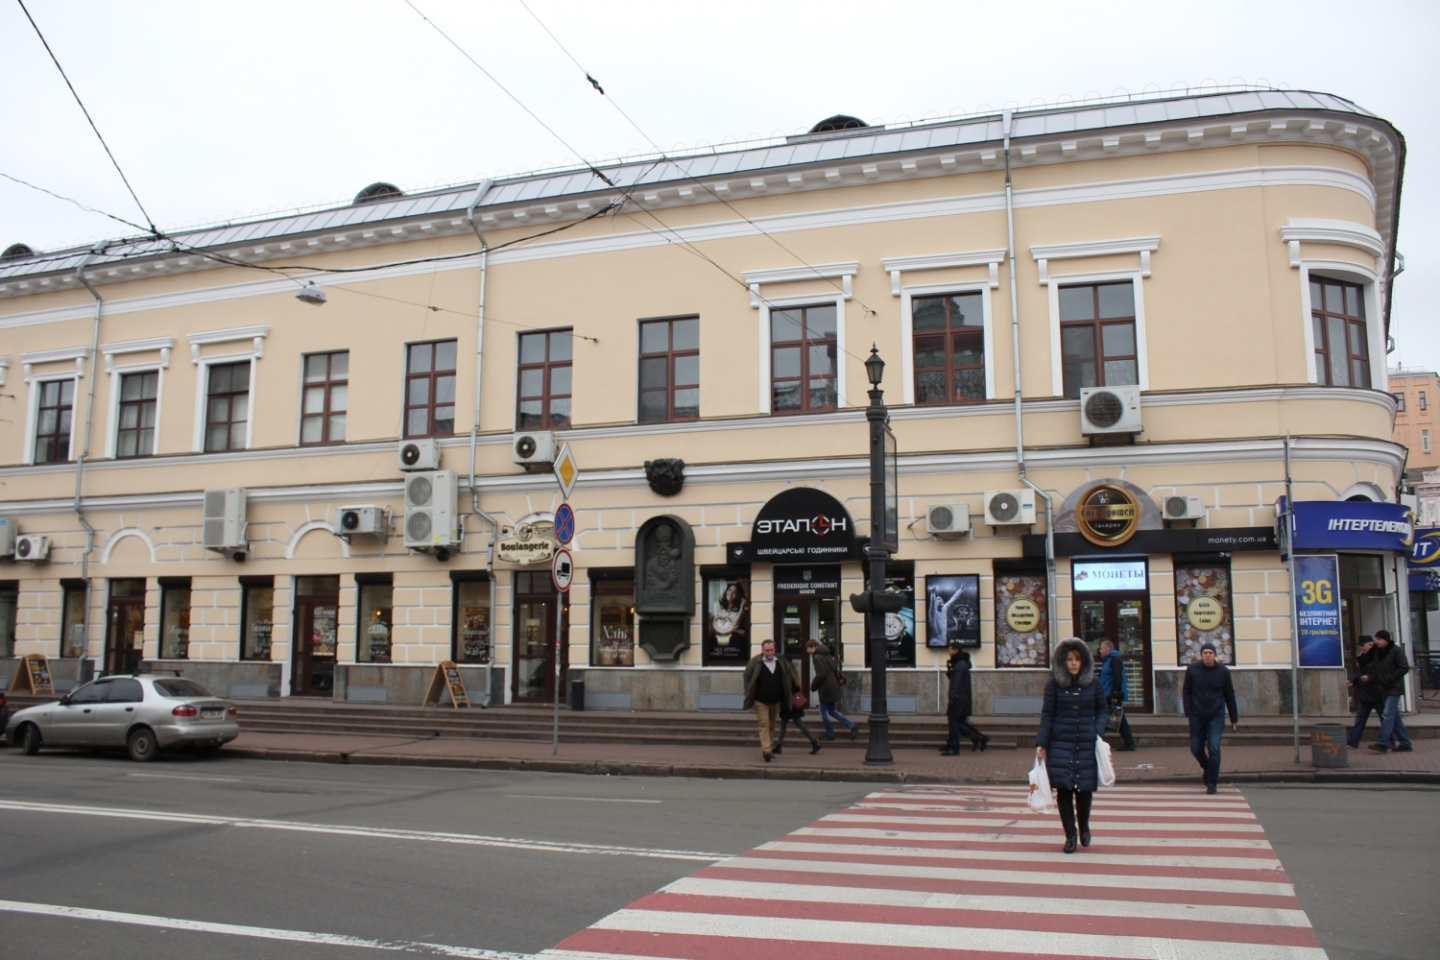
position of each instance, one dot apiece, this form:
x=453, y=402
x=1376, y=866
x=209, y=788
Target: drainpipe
x=1053, y=623
x=80, y=468
x=480, y=192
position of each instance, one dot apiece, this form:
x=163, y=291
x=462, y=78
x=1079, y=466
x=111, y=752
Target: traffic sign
x=562, y=568
x=567, y=471
x=565, y=523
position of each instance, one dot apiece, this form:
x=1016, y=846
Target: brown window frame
x=951, y=336
x=670, y=356
x=431, y=377
x=548, y=368
x=1097, y=325
x=1423, y=404
x=230, y=395
x=1400, y=401
x=807, y=344
x=60, y=435
x=139, y=406
x=1321, y=317
x=326, y=414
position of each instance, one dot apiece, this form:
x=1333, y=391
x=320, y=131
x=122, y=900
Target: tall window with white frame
x=1425, y=441
x=543, y=392
x=949, y=333
x=669, y=370
x=803, y=355
x=1097, y=336
x=430, y=389
x=135, y=436
x=1337, y=315
x=227, y=407
x=53, y=421
x=326, y=398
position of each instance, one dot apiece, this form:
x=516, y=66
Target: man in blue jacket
x=1207, y=694
x=1112, y=681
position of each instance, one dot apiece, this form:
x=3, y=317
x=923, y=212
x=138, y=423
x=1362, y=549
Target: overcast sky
x=217, y=111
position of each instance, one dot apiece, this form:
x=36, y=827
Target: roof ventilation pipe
x=480, y=192
x=1052, y=621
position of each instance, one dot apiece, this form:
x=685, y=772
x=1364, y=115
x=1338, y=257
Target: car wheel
x=30, y=739
x=142, y=745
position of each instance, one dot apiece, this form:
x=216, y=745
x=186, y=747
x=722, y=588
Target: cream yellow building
x=1213, y=272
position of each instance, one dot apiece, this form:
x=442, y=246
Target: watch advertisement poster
x=952, y=610
x=899, y=627
x=726, y=636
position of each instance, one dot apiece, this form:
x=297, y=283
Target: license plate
x=212, y=714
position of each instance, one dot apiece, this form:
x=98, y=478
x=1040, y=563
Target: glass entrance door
x=317, y=613
x=801, y=619
x=537, y=606
x=125, y=626
x=1124, y=620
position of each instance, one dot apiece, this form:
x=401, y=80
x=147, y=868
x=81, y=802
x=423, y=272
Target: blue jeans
x=1392, y=728
x=1205, y=746
x=829, y=711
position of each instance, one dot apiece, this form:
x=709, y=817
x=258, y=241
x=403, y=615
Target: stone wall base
x=1266, y=693
x=406, y=685
x=243, y=680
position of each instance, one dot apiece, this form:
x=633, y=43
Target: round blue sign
x=565, y=523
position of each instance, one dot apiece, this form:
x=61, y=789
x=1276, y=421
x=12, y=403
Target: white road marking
x=264, y=933
x=383, y=833
x=174, y=776
x=535, y=796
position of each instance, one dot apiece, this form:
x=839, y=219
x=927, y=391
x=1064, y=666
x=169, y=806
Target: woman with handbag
x=794, y=712
x=828, y=682
x=1071, y=722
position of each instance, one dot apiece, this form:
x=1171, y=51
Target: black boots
x=1082, y=803
x=1067, y=820
x=979, y=744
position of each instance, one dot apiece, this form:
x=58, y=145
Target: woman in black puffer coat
x=1072, y=720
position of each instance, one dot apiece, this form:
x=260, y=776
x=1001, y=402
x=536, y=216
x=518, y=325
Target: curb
x=730, y=772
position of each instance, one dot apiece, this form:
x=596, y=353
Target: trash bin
x=577, y=692
x=1328, y=746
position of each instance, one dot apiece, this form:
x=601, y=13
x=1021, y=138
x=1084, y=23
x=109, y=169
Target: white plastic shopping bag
x=1041, y=799
x=1103, y=761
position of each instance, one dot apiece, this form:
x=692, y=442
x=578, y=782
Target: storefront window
x=952, y=610
x=9, y=599
x=375, y=621
x=726, y=640
x=258, y=619
x=899, y=627
x=612, y=622
x=72, y=620
x=1203, y=610
x=472, y=621
x=1021, y=620
x=175, y=619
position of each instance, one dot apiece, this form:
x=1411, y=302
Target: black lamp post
x=876, y=554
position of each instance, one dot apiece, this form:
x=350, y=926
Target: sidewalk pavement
x=840, y=761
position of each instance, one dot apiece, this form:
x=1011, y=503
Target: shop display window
x=1204, y=610
x=258, y=621
x=612, y=622
x=72, y=620
x=175, y=619
x=375, y=623
x=726, y=635
x=1021, y=620
x=471, y=618
x=9, y=600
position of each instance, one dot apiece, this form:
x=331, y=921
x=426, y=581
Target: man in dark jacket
x=958, y=706
x=1112, y=680
x=1207, y=693
x=767, y=685
x=1382, y=668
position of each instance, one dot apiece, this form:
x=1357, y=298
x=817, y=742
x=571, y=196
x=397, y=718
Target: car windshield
x=181, y=688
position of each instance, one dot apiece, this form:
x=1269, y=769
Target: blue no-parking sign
x=565, y=523
x=1317, y=610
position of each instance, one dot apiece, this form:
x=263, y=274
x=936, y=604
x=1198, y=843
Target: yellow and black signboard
x=447, y=681
x=33, y=675
x=1107, y=515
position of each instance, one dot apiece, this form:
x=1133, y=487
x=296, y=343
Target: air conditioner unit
x=1176, y=507
x=224, y=527
x=423, y=454
x=32, y=548
x=361, y=521
x=1109, y=410
x=942, y=518
x=430, y=511
x=532, y=449
x=1010, y=507
x=7, y=536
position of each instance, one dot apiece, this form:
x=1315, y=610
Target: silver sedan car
x=144, y=714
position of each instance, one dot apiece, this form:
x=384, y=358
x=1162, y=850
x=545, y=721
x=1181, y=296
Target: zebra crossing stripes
x=971, y=873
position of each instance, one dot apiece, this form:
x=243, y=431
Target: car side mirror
x=65, y=700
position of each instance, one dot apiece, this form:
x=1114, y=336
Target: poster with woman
x=952, y=610
x=727, y=621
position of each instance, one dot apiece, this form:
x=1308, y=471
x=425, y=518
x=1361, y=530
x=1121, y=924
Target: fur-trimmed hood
x=1058, y=669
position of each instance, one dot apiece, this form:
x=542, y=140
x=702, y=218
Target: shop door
x=125, y=626
x=1124, y=620
x=537, y=606
x=317, y=613
x=799, y=620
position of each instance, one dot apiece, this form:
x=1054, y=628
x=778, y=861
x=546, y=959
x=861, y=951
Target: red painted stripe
x=1043, y=827
x=1034, y=846
x=700, y=947
x=1038, y=921
x=1101, y=813
x=1068, y=865
x=1003, y=888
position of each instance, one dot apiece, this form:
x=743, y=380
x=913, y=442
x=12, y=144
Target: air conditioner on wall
x=1007, y=507
x=361, y=521
x=1109, y=410
x=32, y=548
x=430, y=514
x=7, y=536
x=1176, y=507
x=533, y=449
x=421, y=454
x=947, y=518
x=224, y=526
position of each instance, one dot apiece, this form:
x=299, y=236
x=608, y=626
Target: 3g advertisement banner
x=1317, y=610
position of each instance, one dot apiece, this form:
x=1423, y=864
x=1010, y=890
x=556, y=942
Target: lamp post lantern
x=883, y=534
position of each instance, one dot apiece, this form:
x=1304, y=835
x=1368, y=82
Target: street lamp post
x=876, y=553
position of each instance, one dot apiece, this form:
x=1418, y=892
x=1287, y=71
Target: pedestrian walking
x=958, y=704
x=828, y=684
x=1117, y=691
x=1382, y=667
x=790, y=713
x=1072, y=720
x=768, y=684
x=1207, y=693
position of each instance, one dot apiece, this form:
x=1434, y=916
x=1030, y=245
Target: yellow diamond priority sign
x=567, y=471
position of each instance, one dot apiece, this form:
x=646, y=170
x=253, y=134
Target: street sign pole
x=567, y=473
